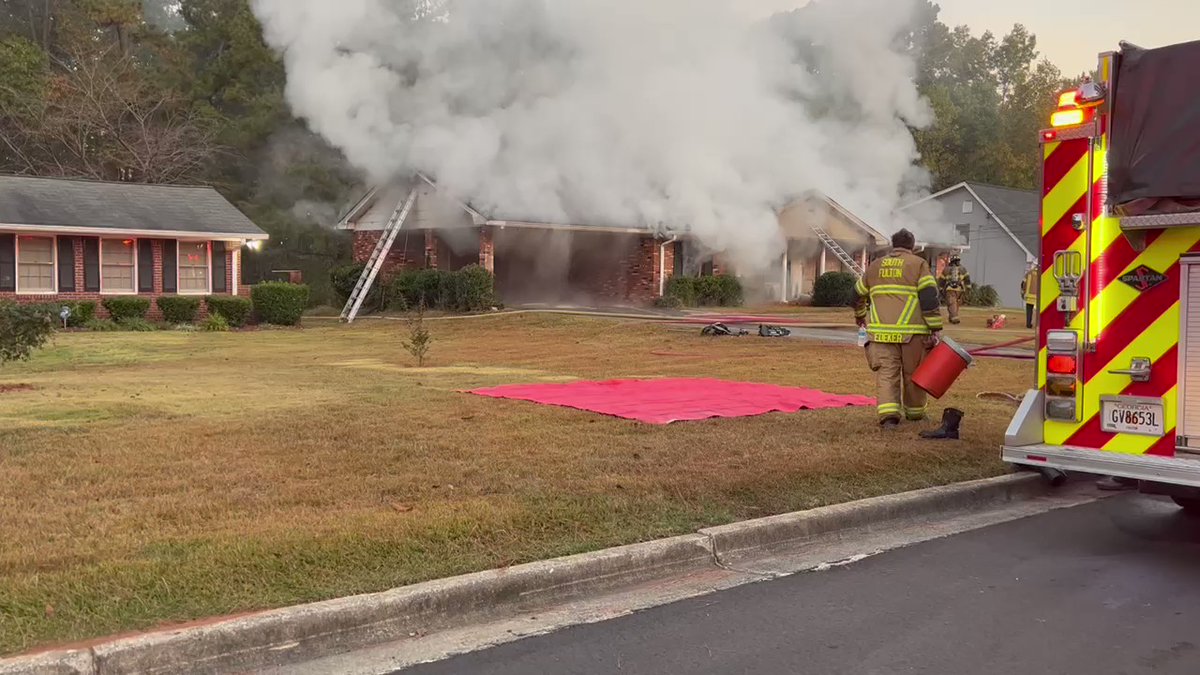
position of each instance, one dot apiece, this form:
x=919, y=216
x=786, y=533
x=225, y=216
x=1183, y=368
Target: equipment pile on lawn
x=722, y=329
x=773, y=331
x=763, y=331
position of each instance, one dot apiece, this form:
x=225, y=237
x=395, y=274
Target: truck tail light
x=1060, y=409
x=1060, y=386
x=1062, y=375
x=1061, y=365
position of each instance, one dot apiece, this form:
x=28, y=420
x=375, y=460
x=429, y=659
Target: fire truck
x=1118, y=364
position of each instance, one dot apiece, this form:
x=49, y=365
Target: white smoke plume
x=667, y=113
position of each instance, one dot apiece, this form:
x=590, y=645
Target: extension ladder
x=841, y=253
x=378, y=256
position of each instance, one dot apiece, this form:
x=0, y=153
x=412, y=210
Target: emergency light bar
x=1078, y=106
x=1068, y=118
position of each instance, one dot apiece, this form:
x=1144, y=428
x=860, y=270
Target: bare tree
x=100, y=117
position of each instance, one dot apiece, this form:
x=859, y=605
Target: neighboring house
x=64, y=239
x=1000, y=228
x=565, y=262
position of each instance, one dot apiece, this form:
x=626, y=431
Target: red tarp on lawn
x=675, y=400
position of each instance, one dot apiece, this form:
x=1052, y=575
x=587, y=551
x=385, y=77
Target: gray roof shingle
x=1020, y=210
x=86, y=204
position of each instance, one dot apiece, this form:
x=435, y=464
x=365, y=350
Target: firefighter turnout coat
x=1029, y=286
x=955, y=279
x=898, y=298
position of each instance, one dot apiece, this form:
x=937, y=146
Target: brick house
x=66, y=239
x=535, y=262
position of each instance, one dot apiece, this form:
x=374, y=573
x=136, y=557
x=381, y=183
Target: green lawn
x=153, y=478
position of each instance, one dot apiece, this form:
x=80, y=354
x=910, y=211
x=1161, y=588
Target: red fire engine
x=1118, y=361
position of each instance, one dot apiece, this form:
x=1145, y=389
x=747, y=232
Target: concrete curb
x=870, y=514
x=295, y=634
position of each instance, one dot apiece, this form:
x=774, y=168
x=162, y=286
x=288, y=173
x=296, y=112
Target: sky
x=1067, y=36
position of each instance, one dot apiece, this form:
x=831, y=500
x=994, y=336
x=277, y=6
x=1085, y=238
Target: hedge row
x=471, y=289
x=836, y=289
x=82, y=311
x=712, y=291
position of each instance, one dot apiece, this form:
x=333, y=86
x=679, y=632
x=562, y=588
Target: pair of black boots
x=951, y=420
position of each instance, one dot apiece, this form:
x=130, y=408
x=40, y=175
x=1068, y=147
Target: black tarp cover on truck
x=1154, y=158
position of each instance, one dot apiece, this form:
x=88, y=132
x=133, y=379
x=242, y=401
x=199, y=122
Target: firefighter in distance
x=954, y=282
x=1029, y=289
x=897, y=302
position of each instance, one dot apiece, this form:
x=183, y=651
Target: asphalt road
x=1112, y=587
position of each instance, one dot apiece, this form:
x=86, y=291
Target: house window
x=968, y=207
x=964, y=233
x=35, y=264
x=118, y=263
x=193, y=267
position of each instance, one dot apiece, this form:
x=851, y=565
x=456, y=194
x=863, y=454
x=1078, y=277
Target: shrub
x=729, y=291
x=706, y=291
x=184, y=328
x=718, y=291
x=233, y=309
x=178, y=308
x=981, y=296
x=412, y=288
x=428, y=289
x=419, y=338
x=279, y=303
x=81, y=312
x=23, y=329
x=343, y=280
x=834, y=289
x=136, y=325
x=471, y=289
x=682, y=290
x=402, y=290
x=102, y=325
x=215, y=323
x=126, y=307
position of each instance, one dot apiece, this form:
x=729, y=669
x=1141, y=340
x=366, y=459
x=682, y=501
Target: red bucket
x=941, y=367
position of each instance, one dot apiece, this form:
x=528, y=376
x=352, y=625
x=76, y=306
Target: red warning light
x=1062, y=365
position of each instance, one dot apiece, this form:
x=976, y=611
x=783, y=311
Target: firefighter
x=1029, y=289
x=897, y=302
x=954, y=283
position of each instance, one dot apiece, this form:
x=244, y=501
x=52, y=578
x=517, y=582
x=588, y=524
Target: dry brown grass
x=161, y=477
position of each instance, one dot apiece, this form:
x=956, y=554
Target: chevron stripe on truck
x=1110, y=344
x=1119, y=320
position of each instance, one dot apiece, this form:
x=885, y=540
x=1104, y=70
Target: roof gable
x=816, y=197
x=1020, y=210
x=1016, y=211
x=71, y=204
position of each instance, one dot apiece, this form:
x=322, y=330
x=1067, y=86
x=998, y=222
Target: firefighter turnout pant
x=894, y=365
x=953, y=302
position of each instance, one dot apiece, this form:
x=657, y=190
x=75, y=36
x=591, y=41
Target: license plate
x=1143, y=417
